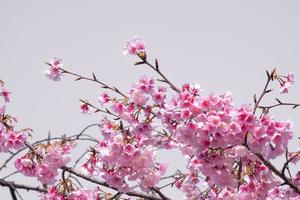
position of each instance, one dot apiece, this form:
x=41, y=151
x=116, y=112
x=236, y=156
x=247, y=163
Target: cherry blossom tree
x=229, y=150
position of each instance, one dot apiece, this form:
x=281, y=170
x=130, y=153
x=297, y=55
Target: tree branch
x=102, y=183
x=5, y=183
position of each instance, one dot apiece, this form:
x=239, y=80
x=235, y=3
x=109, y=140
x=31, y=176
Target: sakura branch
x=56, y=71
x=137, y=47
x=156, y=68
x=229, y=150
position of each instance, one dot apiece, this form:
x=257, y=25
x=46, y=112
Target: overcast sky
x=222, y=45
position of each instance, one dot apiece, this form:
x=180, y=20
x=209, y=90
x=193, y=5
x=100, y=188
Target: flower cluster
x=10, y=139
x=228, y=148
x=124, y=161
x=285, y=81
x=44, y=160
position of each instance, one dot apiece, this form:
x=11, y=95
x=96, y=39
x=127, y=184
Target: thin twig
x=117, y=195
x=286, y=164
x=94, y=79
x=264, y=92
x=156, y=68
x=102, y=183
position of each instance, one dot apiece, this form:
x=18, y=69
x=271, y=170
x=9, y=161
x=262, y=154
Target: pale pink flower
x=295, y=156
x=46, y=175
x=26, y=166
x=134, y=46
x=138, y=98
x=11, y=140
x=55, y=159
x=104, y=99
x=2, y=110
x=286, y=83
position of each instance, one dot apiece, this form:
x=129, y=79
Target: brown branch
x=162, y=196
x=271, y=167
x=102, y=183
x=106, y=111
x=116, y=196
x=286, y=164
x=5, y=183
x=267, y=108
x=156, y=68
x=71, y=138
x=94, y=79
x=240, y=169
x=264, y=92
x=12, y=191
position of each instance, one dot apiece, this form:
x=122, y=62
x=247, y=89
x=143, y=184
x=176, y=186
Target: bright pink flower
x=54, y=72
x=6, y=94
x=85, y=108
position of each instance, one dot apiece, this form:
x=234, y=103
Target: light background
x=222, y=45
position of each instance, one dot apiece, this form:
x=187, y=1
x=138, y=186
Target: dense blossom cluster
x=44, y=161
x=228, y=149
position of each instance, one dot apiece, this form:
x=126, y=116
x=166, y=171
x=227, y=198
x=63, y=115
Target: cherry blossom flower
x=26, y=166
x=85, y=108
x=134, y=46
x=104, y=99
x=6, y=94
x=54, y=72
x=285, y=81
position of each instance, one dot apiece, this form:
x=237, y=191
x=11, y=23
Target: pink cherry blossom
x=134, y=46
x=6, y=94
x=11, y=140
x=104, y=99
x=55, y=158
x=286, y=82
x=85, y=108
x=54, y=72
x=53, y=194
x=26, y=166
x=46, y=175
